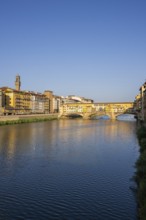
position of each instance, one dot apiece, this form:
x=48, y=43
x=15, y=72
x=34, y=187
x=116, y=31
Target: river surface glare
x=68, y=170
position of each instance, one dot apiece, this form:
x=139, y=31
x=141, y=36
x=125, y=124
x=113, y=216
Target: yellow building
x=1, y=102
x=140, y=103
x=49, y=95
x=15, y=101
x=71, y=108
x=22, y=102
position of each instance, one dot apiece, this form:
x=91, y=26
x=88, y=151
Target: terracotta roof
x=20, y=91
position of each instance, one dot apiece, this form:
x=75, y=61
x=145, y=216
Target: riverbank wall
x=18, y=119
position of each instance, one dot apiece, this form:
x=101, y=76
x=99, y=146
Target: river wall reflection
x=68, y=169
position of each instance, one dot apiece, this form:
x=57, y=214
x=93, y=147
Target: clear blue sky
x=90, y=48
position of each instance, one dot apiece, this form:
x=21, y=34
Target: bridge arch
x=125, y=116
x=73, y=115
x=100, y=114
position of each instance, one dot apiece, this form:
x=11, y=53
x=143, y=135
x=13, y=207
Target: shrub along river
x=68, y=169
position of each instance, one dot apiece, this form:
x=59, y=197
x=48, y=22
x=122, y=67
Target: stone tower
x=17, y=83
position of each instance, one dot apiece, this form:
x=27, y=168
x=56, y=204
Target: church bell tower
x=17, y=83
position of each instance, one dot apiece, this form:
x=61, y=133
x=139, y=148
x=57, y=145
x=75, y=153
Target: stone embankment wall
x=19, y=117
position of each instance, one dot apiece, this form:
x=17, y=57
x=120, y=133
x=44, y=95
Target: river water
x=68, y=169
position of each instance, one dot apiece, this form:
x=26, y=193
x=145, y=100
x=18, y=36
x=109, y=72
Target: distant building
x=39, y=103
x=142, y=90
x=140, y=103
x=71, y=108
x=56, y=103
x=137, y=104
x=76, y=99
x=1, y=101
x=49, y=96
x=15, y=101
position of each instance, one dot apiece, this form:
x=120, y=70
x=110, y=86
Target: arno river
x=69, y=170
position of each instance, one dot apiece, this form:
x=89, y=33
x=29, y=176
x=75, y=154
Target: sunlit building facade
x=140, y=103
x=15, y=101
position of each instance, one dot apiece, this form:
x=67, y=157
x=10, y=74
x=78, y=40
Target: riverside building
x=140, y=103
x=15, y=101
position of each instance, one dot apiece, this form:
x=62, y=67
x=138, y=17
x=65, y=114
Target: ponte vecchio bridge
x=89, y=110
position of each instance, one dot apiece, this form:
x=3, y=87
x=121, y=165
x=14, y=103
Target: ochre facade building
x=140, y=103
x=15, y=101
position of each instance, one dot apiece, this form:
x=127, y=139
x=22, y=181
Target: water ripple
x=77, y=170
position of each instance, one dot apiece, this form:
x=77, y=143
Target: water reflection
x=101, y=117
x=40, y=138
x=68, y=169
x=126, y=117
x=26, y=140
x=123, y=117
